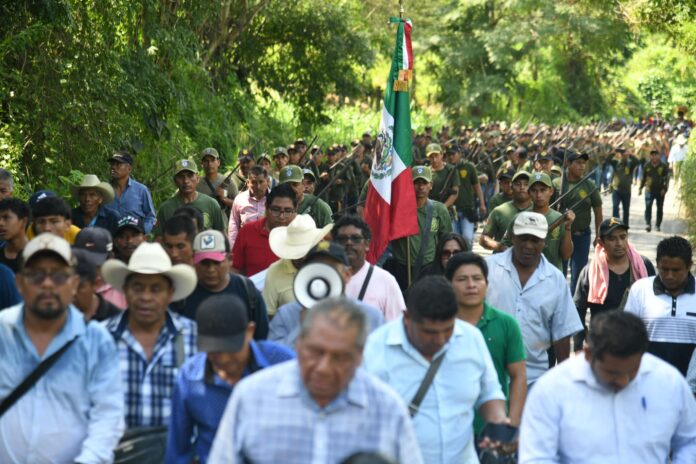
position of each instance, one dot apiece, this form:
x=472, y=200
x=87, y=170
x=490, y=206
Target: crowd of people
x=240, y=321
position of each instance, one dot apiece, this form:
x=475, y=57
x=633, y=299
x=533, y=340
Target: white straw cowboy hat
x=92, y=181
x=295, y=240
x=150, y=258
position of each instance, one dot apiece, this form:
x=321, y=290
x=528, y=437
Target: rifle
x=558, y=221
x=587, y=176
x=309, y=148
x=331, y=182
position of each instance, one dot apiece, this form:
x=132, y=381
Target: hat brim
x=183, y=277
x=279, y=246
x=613, y=228
x=115, y=159
x=218, y=256
x=530, y=231
x=140, y=230
x=228, y=344
x=103, y=188
x=185, y=169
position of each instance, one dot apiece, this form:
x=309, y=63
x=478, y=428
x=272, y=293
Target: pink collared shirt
x=244, y=209
x=382, y=291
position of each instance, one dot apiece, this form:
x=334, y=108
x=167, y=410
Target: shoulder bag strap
x=425, y=238
x=32, y=378
x=425, y=385
x=366, y=282
x=251, y=297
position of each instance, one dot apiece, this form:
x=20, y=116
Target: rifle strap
x=425, y=238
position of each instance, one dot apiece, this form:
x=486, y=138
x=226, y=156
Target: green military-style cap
x=280, y=151
x=433, y=148
x=210, y=151
x=264, y=156
x=541, y=177
x=308, y=172
x=291, y=173
x=521, y=173
x=185, y=165
x=422, y=172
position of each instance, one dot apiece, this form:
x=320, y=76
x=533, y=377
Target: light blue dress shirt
x=272, y=419
x=74, y=413
x=465, y=380
x=136, y=201
x=570, y=418
x=286, y=325
x=544, y=308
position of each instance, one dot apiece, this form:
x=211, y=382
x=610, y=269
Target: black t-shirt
x=237, y=287
x=11, y=263
x=618, y=283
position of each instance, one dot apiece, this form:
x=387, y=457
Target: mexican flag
x=390, y=208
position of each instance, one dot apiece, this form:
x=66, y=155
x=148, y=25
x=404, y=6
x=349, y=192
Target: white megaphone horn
x=316, y=282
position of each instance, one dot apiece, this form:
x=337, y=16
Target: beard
x=48, y=309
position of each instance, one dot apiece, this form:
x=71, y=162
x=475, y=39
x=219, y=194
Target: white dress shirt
x=571, y=418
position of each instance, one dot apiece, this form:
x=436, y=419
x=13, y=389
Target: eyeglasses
x=38, y=277
x=343, y=239
x=277, y=212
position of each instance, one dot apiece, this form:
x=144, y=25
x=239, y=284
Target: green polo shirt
x=441, y=226
x=499, y=219
x=319, y=210
x=583, y=211
x=504, y=340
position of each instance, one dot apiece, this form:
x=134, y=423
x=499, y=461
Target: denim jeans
x=465, y=228
x=623, y=199
x=578, y=260
x=649, y=199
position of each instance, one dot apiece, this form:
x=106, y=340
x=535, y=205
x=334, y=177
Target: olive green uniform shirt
x=583, y=211
x=623, y=173
x=655, y=178
x=499, y=219
x=497, y=200
x=441, y=226
x=213, y=216
x=468, y=178
x=447, y=175
x=319, y=211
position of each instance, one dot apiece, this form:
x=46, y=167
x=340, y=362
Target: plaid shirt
x=148, y=385
x=271, y=418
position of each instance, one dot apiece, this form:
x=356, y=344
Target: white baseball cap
x=529, y=223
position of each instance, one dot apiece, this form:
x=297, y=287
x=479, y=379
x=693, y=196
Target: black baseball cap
x=121, y=157
x=222, y=323
x=330, y=249
x=609, y=225
x=508, y=173
x=130, y=222
x=97, y=242
x=574, y=155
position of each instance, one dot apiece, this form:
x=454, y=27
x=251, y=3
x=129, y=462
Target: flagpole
x=401, y=9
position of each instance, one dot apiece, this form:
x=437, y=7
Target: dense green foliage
x=80, y=78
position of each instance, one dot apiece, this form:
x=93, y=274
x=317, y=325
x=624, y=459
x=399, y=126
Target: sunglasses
x=38, y=277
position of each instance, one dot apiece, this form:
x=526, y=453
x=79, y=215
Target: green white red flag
x=390, y=208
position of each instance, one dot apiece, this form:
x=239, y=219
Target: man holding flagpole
x=390, y=208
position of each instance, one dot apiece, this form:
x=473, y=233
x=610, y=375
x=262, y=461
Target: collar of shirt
x=397, y=336
x=74, y=326
x=207, y=375
x=291, y=386
x=659, y=287
x=172, y=326
x=487, y=316
x=287, y=267
x=582, y=372
x=260, y=226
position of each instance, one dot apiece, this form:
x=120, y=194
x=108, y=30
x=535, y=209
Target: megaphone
x=316, y=282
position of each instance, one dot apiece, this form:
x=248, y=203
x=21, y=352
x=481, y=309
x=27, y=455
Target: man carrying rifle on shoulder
x=445, y=180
